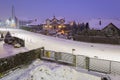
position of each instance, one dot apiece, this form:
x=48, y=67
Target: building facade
x=111, y=30
x=54, y=24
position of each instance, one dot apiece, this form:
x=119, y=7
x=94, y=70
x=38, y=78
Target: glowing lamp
x=59, y=26
x=46, y=26
x=50, y=26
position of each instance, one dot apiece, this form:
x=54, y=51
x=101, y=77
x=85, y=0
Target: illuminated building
x=54, y=24
x=11, y=22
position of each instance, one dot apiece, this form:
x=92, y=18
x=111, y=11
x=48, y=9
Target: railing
x=80, y=61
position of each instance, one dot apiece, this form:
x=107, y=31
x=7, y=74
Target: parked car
x=17, y=45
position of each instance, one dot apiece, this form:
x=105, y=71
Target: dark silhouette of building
x=111, y=30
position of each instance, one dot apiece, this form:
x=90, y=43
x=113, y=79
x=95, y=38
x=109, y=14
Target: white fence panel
x=115, y=68
x=99, y=65
x=80, y=61
x=66, y=57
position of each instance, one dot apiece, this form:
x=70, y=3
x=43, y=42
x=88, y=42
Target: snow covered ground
x=8, y=50
x=34, y=40
x=40, y=70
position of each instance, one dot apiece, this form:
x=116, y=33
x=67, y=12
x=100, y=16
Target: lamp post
x=73, y=50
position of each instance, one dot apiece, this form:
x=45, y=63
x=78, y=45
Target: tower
x=14, y=20
x=13, y=12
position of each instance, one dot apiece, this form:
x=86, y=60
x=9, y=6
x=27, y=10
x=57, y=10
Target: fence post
x=56, y=56
x=59, y=56
x=87, y=61
x=42, y=52
x=74, y=60
x=110, y=67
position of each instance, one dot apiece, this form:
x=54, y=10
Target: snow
x=53, y=71
x=43, y=70
x=8, y=50
x=61, y=73
x=40, y=70
x=34, y=40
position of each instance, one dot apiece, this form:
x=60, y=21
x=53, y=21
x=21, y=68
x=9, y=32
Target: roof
x=94, y=23
x=111, y=24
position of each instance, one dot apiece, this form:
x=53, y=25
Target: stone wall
x=18, y=59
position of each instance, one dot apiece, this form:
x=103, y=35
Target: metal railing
x=80, y=61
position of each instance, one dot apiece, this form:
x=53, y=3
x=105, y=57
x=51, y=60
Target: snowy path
x=34, y=40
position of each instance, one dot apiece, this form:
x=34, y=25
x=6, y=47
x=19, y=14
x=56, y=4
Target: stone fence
x=18, y=59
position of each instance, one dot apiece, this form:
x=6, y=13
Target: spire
x=13, y=12
x=14, y=20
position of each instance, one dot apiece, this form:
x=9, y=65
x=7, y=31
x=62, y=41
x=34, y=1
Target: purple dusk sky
x=70, y=9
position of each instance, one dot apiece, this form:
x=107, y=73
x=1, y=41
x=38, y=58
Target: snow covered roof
x=94, y=23
x=111, y=25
